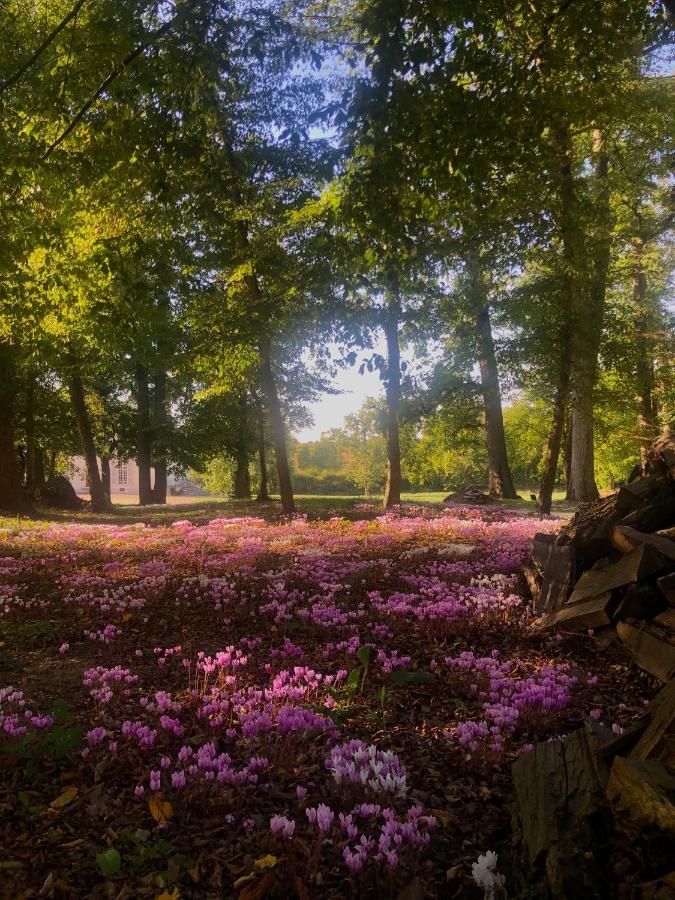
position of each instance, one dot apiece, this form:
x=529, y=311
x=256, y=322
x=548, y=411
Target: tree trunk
x=555, y=436
x=242, y=475
x=392, y=491
x=12, y=495
x=587, y=318
x=105, y=476
x=160, y=451
x=99, y=501
x=499, y=473
x=143, y=436
x=39, y=474
x=644, y=356
x=263, y=493
x=278, y=428
x=30, y=436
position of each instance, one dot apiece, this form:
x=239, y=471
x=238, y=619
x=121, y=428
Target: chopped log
x=666, y=584
x=655, y=514
x=640, y=601
x=650, y=647
x=660, y=889
x=605, y=636
x=640, y=562
x=667, y=533
x=626, y=539
x=666, y=619
x=642, y=791
x=563, y=811
x=581, y=616
x=534, y=580
x=558, y=578
x=541, y=547
x=658, y=740
x=631, y=496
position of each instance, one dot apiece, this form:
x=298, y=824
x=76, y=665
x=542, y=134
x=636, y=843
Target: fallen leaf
x=65, y=798
x=109, y=862
x=165, y=895
x=240, y=882
x=160, y=810
x=266, y=862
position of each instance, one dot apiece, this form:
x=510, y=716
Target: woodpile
x=612, y=569
x=595, y=813
x=470, y=496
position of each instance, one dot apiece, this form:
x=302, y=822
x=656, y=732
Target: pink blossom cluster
x=17, y=719
x=365, y=765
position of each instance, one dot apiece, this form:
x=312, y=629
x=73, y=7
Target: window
x=122, y=473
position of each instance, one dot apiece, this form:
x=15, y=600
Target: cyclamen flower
x=282, y=826
x=155, y=781
x=64, y=648
x=485, y=876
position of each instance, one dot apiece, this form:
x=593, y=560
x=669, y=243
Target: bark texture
x=263, y=492
x=242, y=475
x=590, y=278
x=143, y=436
x=278, y=427
x=647, y=419
x=99, y=501
x=392, y=491
x=12, y=495
x=500, y=480
x=160, y=425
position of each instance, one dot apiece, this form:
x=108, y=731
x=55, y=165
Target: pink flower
x=282, y=826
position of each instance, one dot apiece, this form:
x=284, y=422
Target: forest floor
x=245, y=706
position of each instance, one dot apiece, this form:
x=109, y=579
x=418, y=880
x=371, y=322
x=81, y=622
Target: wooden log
x=534, y=580
x=666, y=619
x=658, y=740
x=666, y=584
x=632, y=495
x=640, y=601
x=639, y=563
x=643, y=792
x=558, y=785
x=626, y=539
x=650, y=647
x=590, y=613
x=541, y=546
x=557, y=579
x=655, y=514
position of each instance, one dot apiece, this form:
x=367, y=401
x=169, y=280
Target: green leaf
x=401, y=677
x=363, y=655
x=109, y=862
x=354, y=680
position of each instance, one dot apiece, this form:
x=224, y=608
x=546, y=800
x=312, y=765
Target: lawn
x=235, y=705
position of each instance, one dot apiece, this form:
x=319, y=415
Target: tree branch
x=37, y=53
x=180, y=17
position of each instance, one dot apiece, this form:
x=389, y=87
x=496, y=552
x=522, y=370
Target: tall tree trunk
x=30, y=435
x=99, y=501
x=499, y=473
x=253, y=285
x=160, y=451
x=555, y=436
x=392, y=491
x=644, y=355
x=143, y=436
x=242, y=475
x=587, y=319
x=105, y=476
x=278, y=427
x=12, y=495
x=263, y=492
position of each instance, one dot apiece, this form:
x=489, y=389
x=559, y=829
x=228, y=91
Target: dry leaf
x=160, y=810
x=240, y=882
x=65, y=798
x=266, y=862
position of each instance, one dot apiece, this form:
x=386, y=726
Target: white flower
x=485, y=876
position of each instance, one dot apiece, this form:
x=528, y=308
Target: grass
x=202, y=509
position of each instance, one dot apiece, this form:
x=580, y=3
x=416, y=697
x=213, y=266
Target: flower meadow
x=257, y=707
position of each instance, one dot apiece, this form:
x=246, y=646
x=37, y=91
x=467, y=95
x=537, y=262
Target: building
x=123, y=476
x=124, y=479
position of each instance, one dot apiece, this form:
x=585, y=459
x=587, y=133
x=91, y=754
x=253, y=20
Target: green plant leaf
x=363, y=655
x=401, y=677
x=109, y=862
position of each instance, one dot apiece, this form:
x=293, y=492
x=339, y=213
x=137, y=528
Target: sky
x=330, y=411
